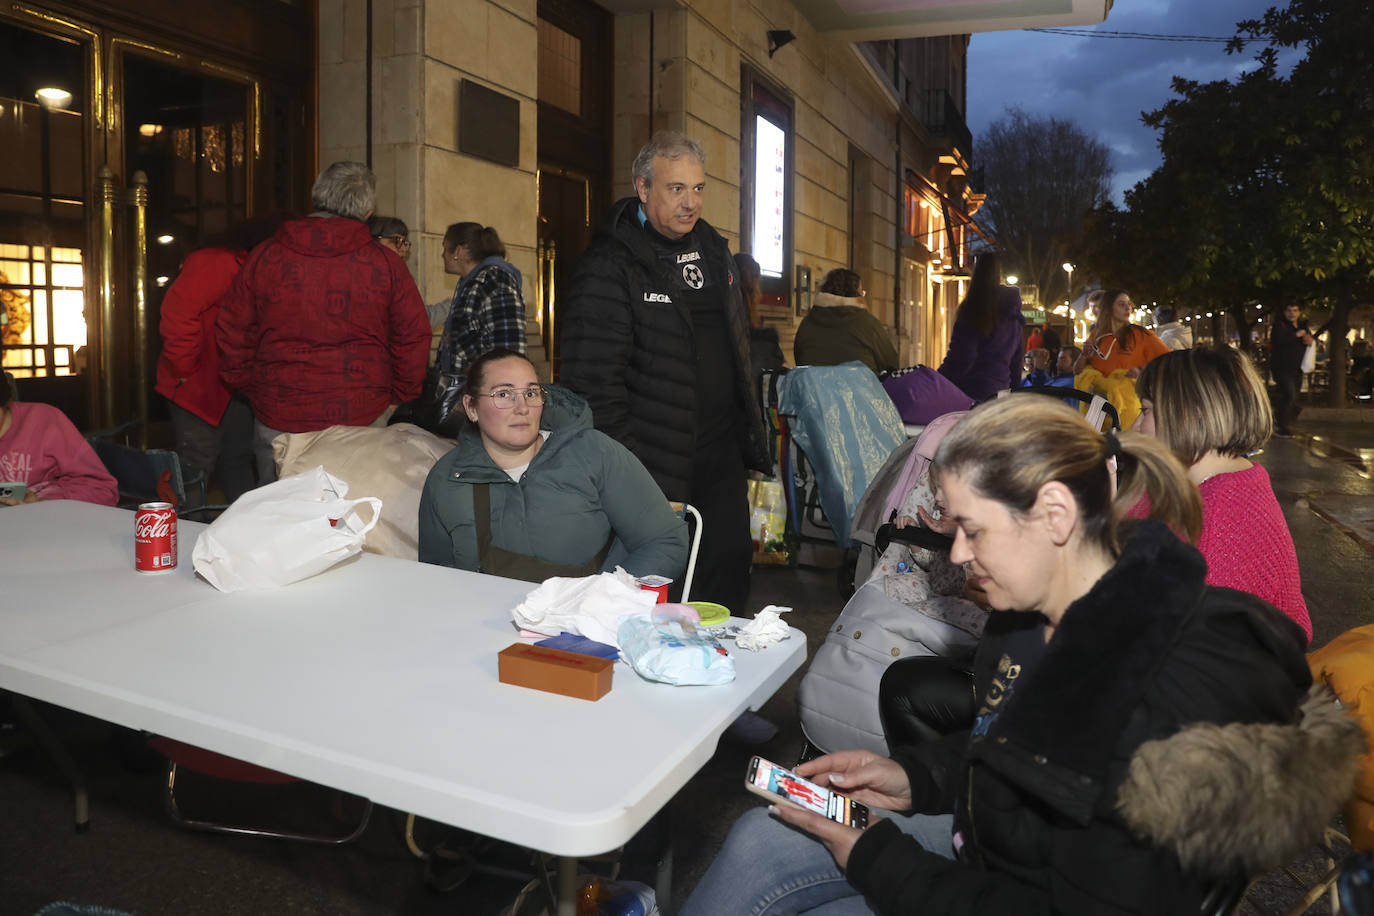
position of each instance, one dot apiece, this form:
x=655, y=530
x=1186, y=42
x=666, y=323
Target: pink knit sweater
x=1246, y=541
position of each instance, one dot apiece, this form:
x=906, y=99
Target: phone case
x=841, y=810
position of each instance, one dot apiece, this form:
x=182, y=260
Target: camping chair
x=685, y=511
x=139, y=471
x=216, y=766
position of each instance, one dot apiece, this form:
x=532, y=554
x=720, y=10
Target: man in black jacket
x=655, y=336
x=1288, y=341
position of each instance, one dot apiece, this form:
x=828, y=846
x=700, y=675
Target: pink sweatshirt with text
x=44, y=450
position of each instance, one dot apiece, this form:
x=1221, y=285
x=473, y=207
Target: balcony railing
x=943, y=118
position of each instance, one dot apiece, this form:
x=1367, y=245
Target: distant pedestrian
x=1175, y=334
x=1288, y=342
x=985, y=349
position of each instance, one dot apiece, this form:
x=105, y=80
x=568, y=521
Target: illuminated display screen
x=770, y=158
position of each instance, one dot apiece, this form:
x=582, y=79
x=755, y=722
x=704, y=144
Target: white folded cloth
x=589, y=606
x=766, y=628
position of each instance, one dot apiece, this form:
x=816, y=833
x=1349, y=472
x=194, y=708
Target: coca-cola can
x=155, y=538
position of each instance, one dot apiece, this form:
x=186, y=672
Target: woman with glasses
x=1115, y=342
x=488, y=310
x=537, y=492
x=392, y=233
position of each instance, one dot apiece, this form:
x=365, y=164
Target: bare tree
x=1042, y=175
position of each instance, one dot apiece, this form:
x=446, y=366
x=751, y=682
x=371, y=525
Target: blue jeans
x=767, y=868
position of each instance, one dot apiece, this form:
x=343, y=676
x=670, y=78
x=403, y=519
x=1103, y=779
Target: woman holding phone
x=1106, y=668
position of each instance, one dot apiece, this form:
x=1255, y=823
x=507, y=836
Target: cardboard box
x=572, y=674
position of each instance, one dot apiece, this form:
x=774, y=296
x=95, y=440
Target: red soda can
x=155, y=538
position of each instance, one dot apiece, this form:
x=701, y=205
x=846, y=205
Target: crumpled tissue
x=589, y=606
x=766, y=628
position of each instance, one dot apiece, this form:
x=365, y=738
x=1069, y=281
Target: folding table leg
x=567, y=886
x=46, y=739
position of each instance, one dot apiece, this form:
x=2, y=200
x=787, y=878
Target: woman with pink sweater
x=1211, y=408
x=40, y=448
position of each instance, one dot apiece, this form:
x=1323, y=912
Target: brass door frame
x=547, y=254
x=106, y=50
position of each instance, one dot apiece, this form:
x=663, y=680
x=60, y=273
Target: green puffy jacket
x=580, y=486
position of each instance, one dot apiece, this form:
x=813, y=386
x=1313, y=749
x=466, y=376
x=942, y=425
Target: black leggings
x=925, y=697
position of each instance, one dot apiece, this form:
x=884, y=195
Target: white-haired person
x=1211, y=408
x=322, y=326
x=1081, y=788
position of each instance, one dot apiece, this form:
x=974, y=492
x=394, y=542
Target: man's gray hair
x=345, y=189
x=670, y=144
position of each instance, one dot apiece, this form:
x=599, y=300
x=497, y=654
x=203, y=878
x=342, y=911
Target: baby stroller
x=910, y=604
x=835, y=429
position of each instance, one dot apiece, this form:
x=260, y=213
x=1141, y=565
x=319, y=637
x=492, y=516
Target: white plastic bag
x=1309, y=359
x=283, y=532
x=662, y=646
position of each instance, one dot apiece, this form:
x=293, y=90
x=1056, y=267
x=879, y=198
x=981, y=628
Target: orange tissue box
x=572, y=674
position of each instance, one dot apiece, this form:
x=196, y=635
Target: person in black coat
x=1132, y=722
x=655, y=337
x=1288, y=342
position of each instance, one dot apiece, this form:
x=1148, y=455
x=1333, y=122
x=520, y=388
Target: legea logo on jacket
x=657, y=297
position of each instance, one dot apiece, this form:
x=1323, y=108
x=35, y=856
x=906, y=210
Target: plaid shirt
x=488, y=312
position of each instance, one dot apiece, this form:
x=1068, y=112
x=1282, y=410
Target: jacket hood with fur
x=1195, y=792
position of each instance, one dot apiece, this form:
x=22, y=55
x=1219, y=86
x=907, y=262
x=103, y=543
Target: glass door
x=44, y=131
x=189, y=134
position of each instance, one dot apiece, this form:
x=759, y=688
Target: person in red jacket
x=213, y=429
x=323, y=326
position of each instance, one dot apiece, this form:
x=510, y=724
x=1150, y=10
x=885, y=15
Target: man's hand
x=1040, y=358
x=862, y=775
x=836, y=837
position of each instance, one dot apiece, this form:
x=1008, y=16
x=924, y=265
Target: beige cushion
x=389, y=462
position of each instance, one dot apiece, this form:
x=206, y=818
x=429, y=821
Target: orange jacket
x=1145, y=346
x=1346, y=665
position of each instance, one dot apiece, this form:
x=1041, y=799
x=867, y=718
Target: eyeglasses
x=401, y=241
x=506, y=398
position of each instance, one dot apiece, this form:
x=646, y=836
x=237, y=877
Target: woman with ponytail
x=1123, y=707
x=488, y=310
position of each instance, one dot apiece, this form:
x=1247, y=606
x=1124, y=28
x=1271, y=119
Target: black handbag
x=439, y=408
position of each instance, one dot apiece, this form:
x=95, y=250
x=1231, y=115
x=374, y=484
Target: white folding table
x=377, y=677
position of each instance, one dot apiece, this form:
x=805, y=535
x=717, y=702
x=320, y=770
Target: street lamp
x=1068, y=269
x=1011, y=279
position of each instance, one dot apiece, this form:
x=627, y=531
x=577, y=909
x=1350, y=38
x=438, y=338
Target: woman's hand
x=836, y=837
x=29, y=497
x=862, y=775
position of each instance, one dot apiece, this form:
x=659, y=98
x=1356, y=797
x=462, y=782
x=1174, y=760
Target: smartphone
x=775, y=783
x=12, y=490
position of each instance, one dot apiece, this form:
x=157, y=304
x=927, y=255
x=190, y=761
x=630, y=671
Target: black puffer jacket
x=628, y=349
x=1102, y=784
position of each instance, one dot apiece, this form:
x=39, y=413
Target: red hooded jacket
x=322, y=326
x=188, y=369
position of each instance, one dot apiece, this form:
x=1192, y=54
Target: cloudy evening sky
x=1103, y=84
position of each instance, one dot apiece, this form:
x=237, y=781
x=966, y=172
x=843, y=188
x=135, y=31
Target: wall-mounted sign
x=770, y=160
